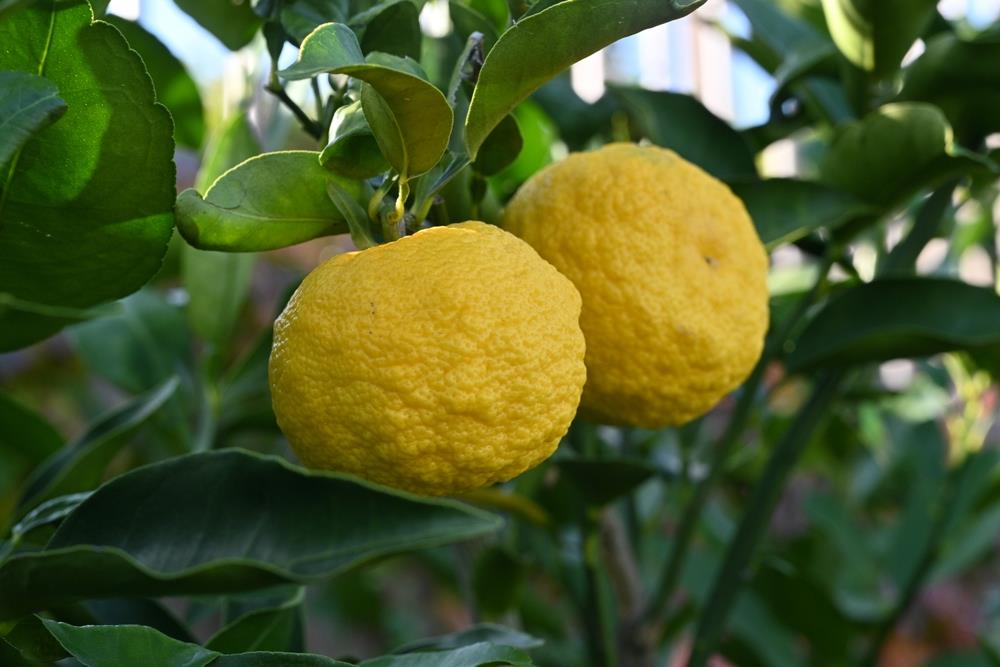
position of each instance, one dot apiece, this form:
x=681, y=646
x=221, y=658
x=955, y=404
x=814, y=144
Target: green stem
x=753, y=526
x=918, y=579
x=720, y=456
x=599, y=612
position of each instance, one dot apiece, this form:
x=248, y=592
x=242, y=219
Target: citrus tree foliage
x=629, y=546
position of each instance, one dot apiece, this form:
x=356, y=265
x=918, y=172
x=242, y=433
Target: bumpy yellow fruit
x=672, y=275
x=439, y=363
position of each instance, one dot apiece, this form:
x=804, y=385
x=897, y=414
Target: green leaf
x=270, y=201
x=107, y=645
x=175, y=89
x=411, y=119
x=473, y=655
x=48, y=513
x=264, y=659
x=467, y=21
x=234, y=23
x=395, y=30
x=898, y=318
x=483, y=632
x=785, y=210
x=123, y=539
x=601, y=481
x=962, y=78
x=894, y=152
x=876, y=34
x=357, y=218
x=80, y=465
x=86, y=207
x=352, y=151
x=683, y=124
x=274, y=628
x=28, y=103
x=139, y=345
x=26, y=435
x=540, y=46
x=34, y=641
x=500, y=149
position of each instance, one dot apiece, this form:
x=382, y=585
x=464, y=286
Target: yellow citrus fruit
x=439, y=363
x=672, y=275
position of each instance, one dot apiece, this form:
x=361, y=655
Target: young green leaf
x=87, y=210
x=540, y=46
x=28, y=103
x=785, y=210
x=269, y=201
x=411, y=119
x=352, y=151
x=355, y=215
x=175, y=89
x=898, y=318
x=309, y=524
x=683, y=124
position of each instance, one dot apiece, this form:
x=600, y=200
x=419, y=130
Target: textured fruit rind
x=439, y=363
x=672, y=274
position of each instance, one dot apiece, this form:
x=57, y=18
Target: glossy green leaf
x=234, y=23
x=107, y=645
x=352, y=151
x=308, y=525
x=270, y=201
x=303, y=16
x=540, y=46
x=411, y=119
x=898, y=318
x=80, y=465
x=474, y=655
x=217, y=283
x=539, y=133
x=116, y=645
x=601, y=481
x=28, y=103
x=962, y=78
x=876, y=34
x=785, y=210
x=683, y=124
x=395, y=30
x=500, y=149
x=273, y=628
x=175, y=89
x=86, y=211
x=483, y=632
x=894, y=152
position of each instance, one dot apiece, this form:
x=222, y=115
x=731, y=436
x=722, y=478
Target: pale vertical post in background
x=713, y=62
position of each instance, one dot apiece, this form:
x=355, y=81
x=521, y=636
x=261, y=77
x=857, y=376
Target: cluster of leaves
x=154, y=499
